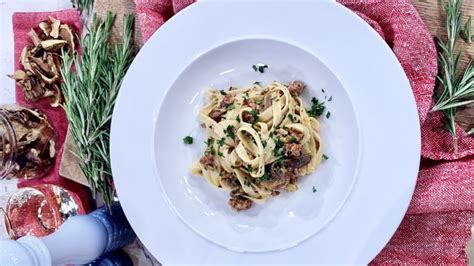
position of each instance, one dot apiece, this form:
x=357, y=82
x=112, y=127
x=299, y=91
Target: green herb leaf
x=230, y=107
x=314, y=189
x=325, y=157
x=220, y=154
x=257, y=83
x=264, y=143
x=293, y=140
x=317, y=109
x=265, y=176
x=278, y=149
x=221, y=142
x=330, y=99
x=209, y=141
x=259, y=67
x=223, y=92
x=249, y=168
x=229, y=131
x=328, y=115
x=188, y=140
x=291, y=117
x=254, y=113
x=258, y=102
x=238, y=118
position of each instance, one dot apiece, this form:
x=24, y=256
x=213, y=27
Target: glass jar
x=38, y=211
x=27, y=143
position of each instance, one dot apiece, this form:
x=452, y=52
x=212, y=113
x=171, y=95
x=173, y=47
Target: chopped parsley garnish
x=188, y=140
x=259, y=67
x=209, y=142
x=323, y=90
x=330, y=99
x=278, y=150
x=221, y=142
x=220, y=154
x=258, y=102
x=265, y=176
x=254, y=114
x=279, y=161
x=328, y=115
x=257, y=83
x=210, y=150
x=293, y=140
x=325, y=157
x=291, y=117
x=264, y=143
x=223, y=92
x=247, y=94
x=230, y=107
x=271, y=134
x=317, y=108
x=229, y=131
x=314, y=189
x=238, y=118
x=249, y=168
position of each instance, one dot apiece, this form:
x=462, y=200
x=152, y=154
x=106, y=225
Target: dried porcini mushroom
x=53, y=45
x=55, y=24
x=45, y=27
x=41, y=76
x=35, y=148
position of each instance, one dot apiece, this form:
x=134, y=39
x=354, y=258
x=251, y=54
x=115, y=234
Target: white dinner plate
x=372, y=137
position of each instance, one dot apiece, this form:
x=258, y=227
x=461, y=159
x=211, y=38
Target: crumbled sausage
x=248, y=117
x=292, y=133
x=226, y=101
x=237, y=191
x=296, y=87
x=240, y=203
x=292, y=149
x=250, y=103
x=298, y=162
x=207, y=160
x=280, y=178
x=216, y=114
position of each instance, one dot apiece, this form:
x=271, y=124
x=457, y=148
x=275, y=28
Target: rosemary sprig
x=457, y=91
x=83, y=5
x=90, y=92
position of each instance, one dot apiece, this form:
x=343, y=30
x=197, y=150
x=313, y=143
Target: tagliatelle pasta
x=260, y=140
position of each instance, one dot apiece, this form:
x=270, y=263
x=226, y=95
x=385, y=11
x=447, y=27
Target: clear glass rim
x=6, y=163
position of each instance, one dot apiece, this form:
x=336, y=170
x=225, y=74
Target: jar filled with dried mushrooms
x=27, y=143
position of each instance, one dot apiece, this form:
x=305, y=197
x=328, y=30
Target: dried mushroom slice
x=55, y=24
x=53, y=45
x=41, y=76
x=55, y=95
x=66, y=34
x=18, y=75
x=34, y=37
x=45, y=27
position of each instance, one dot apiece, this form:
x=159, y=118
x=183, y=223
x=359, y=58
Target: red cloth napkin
x=22, y=24
x=437, y=224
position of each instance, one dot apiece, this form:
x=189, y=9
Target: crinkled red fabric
x=22, y=24
x=437, y=224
